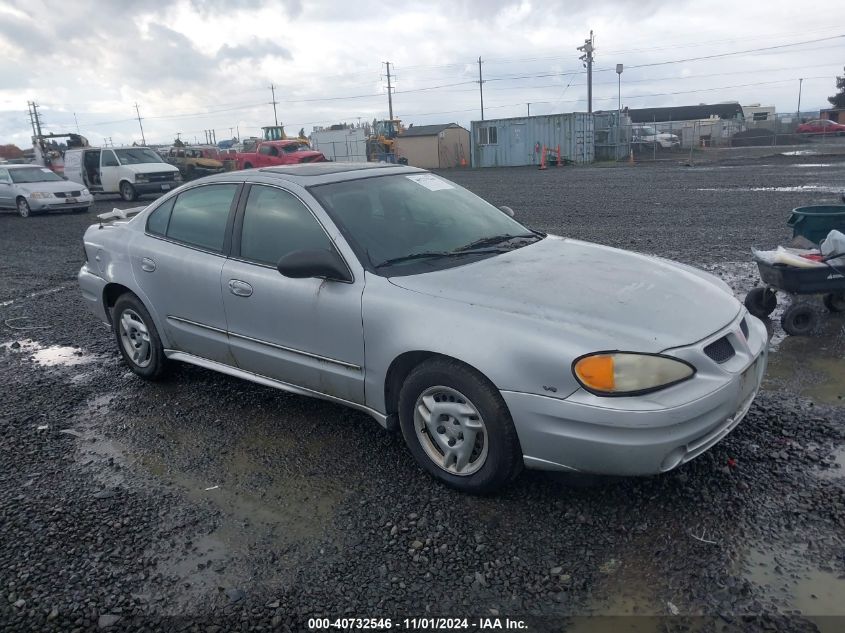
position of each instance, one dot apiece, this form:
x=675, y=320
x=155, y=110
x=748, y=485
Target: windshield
x=137, y=156
x=33, y=174
x=295, y=147
x=391, y=220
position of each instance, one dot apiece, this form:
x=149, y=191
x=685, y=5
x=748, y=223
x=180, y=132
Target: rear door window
x=200, y=216
x=277, y=223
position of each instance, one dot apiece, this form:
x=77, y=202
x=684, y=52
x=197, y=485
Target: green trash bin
x=816, y=221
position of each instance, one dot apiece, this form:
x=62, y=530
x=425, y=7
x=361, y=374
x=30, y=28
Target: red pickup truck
x=270, y=153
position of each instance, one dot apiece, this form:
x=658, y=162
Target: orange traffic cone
x=543, y=158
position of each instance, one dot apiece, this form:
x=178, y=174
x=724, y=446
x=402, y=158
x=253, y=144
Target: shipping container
x=519, y=141
x=347, y=145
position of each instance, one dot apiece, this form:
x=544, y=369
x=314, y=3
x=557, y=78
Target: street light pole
x=800, y=85
x=619, y=69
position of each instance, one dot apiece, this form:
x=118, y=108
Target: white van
x=129, y=171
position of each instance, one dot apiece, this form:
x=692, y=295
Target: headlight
x=40, y=194
x=141, y=178
x=629, y=373
x=177, y=176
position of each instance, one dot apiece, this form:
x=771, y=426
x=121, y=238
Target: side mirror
x=507, y=211
x=314, y=263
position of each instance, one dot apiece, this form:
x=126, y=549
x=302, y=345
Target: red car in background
x=821, y=126
x=270, y=153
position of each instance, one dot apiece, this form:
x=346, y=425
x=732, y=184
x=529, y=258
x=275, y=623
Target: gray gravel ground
x=204, y=501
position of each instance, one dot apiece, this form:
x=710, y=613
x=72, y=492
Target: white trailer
x=349, y=145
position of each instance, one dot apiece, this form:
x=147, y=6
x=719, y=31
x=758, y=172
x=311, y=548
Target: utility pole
x=76, y=121
x=800, y=85
x=588, y=48
x=31, y=117
x=274, y=102
x=529, y=108
x=481, y=87
x=231, y=132
x=36, y=118
x=389, y=92
x=619, y=69
x=141, y=125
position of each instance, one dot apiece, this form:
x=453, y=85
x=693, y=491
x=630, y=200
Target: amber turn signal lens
x=596, y=372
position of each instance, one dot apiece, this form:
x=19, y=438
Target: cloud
x=254, y=49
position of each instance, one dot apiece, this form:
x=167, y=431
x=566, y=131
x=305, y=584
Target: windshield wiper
x=434, y=254
x=493, y=240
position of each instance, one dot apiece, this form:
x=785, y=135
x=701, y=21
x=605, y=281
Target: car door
x=178, y=262
x=304, y=332
x=109, y=170
x=7, y=197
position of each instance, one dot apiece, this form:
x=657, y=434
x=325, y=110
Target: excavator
x=381, y=141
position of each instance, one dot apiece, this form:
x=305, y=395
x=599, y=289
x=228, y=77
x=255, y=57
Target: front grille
x=720, y=351
x=161, y=176
x=67, y=194
x=743, y=325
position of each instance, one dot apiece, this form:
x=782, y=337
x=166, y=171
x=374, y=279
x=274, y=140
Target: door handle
x=148, y=265
x=240, y=288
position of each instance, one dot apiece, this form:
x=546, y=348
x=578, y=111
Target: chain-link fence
x=618, y=138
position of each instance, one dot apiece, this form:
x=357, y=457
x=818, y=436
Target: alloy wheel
x=135, y=338
x=450, y=430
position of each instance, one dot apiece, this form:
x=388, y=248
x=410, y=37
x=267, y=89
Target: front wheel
x=23, y=208
x=761, y=302
x=127, y=191
x=247, y=165
x=137, y=337
x=458, y=427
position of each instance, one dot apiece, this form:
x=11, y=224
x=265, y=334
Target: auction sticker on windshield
x=430, y=182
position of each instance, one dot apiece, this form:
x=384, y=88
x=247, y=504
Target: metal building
x=519, y=141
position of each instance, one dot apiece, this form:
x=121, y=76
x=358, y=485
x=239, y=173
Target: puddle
x=51, y=355
x=785, y=577
x=796, y=189
x=800, y=152
x=811, y=366
x=813, y=165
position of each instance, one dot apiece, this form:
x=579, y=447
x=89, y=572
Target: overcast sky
x=192, y=65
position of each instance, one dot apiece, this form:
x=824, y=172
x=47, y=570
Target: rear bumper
x=568, y=435
x=92, y=287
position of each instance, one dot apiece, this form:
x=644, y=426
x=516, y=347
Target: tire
x=834, y=301
x=247, y=165
x=137, y=338
x=469, y=403
x=799, y=319
x=23, y=208
x=127, y=191
x=761, y=302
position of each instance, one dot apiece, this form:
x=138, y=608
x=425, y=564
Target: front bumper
x=92, y=287
x=58, y=204
x=143, y=188
x=611, y=439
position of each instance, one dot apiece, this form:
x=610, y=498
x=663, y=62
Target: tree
x=10, y=151
x=838, y=100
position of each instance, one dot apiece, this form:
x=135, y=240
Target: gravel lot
x=209, y=501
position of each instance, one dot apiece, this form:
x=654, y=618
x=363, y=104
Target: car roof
x=22, y=165
x=311, y=174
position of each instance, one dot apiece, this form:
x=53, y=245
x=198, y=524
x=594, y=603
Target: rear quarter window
x=200, y=216
x=159, y=218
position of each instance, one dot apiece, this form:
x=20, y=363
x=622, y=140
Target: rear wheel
x=761, y=302
x=835, y=301
x=137, y=337
x=247, y=165
x=23, y=208
x=458, y=427
x=799, y=320
x=127, y=191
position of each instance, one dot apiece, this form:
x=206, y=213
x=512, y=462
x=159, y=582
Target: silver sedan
x=32, y=189
x=491, y=346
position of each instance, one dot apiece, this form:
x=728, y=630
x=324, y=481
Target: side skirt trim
x=270, y=382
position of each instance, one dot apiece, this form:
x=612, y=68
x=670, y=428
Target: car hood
x=667, y=136
x=631, y=301
x=51, y=185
